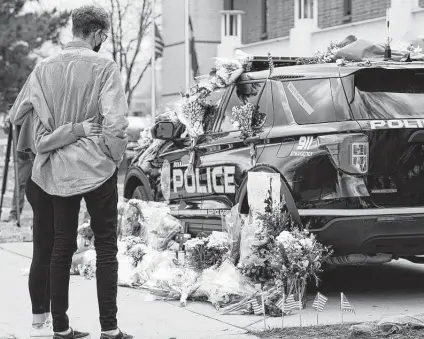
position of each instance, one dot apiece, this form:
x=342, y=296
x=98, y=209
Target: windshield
x=389, y=94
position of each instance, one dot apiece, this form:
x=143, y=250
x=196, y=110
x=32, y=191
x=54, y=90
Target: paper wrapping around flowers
x=258, y=185
x=191, y=114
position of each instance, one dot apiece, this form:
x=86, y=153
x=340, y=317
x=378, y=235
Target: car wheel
x=140, y=194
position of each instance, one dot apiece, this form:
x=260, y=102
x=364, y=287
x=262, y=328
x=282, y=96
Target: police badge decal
x=165, y=180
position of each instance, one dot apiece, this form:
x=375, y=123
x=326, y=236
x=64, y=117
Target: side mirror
x=163, y=130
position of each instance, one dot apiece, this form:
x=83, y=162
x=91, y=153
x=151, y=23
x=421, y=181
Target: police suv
x=347, y=141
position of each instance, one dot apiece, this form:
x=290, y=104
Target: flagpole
x=187, y=44
x=153, y=64
x=263, y=308
x=300, y=308
x=282, y=309
x=317, y=315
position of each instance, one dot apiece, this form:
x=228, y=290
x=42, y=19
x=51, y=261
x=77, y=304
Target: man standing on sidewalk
x=64, y=91
x=24, y=161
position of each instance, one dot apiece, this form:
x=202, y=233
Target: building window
x=347, y=10
x=264, y=20
x=306, y=9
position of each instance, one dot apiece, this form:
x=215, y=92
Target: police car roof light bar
x=261, y=63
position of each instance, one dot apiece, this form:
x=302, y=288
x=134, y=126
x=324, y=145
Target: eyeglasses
x=103, y=36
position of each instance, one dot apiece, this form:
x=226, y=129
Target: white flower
x=192, y=243
x=218, y=240
x=340, y=62
x=305, y=264
x=223, y=74
x=285, y=238
x=306, y=243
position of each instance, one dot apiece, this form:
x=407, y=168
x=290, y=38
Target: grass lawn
x=330, y=332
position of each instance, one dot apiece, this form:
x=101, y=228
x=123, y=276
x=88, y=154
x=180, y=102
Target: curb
x=4, y=335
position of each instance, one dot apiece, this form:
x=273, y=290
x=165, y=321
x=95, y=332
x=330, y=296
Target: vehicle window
x=310, y=101
x=213, y=100
x=241, y=95
x=388, y=94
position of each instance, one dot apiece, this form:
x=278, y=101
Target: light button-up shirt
x=63, y=91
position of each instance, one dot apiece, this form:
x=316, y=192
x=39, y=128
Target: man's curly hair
x=87, y=19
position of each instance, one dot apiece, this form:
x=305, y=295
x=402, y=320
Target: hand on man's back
x=91, y=128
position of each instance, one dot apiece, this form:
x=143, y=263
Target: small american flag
x=280, y=302
x=257, y=306
x=291, y=304
x=319, y=302
x=345, y=304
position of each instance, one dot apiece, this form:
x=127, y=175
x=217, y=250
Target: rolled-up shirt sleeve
x=22, y=105
x=114, y=109
x=46, y=141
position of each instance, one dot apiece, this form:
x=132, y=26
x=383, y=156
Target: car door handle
x=252, y=140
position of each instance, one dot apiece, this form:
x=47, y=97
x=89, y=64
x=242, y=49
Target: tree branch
x=141, y=75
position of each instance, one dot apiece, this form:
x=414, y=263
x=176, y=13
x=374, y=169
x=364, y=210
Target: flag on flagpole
x=291, y=304
x=194, y=59
x=280, y=303
x=345, y=305
x=319, y=302
x=159, y=44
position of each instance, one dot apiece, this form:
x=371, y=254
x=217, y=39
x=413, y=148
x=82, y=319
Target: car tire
x=140, y=194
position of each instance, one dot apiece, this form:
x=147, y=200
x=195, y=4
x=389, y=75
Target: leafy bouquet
x=283, y=255
x=205, y=252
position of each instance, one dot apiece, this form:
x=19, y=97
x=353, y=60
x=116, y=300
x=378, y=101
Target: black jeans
x=43, y=237
x=102, y=207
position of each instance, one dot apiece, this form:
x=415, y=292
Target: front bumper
x=397, y=231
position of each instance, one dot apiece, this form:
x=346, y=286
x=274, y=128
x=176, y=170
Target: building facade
x=281, y=27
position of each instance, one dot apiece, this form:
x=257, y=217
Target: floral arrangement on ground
x=254, y=254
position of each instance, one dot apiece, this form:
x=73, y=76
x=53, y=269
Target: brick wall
x=252, y=20
x=280, y=18
x=330, y=12
x=281, y=15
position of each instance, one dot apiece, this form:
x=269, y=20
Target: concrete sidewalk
x=137, y=315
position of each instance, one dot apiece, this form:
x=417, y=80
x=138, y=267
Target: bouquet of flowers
x=283, y=255
x=232, y=224
x=205, y=252
x=131, y=220
x=173, y=283
x=297, y=257
x=224, y=285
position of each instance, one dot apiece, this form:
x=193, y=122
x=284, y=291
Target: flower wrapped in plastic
x=227, y=72
x=127, y=275
x=192, y=114
x=298, y=256
x=232, y=224
x=84, y=264
x=152, y=261
x=131, y=221
x=205, y=252
x=158, y=224
x=224, y=285
x=173, y=283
